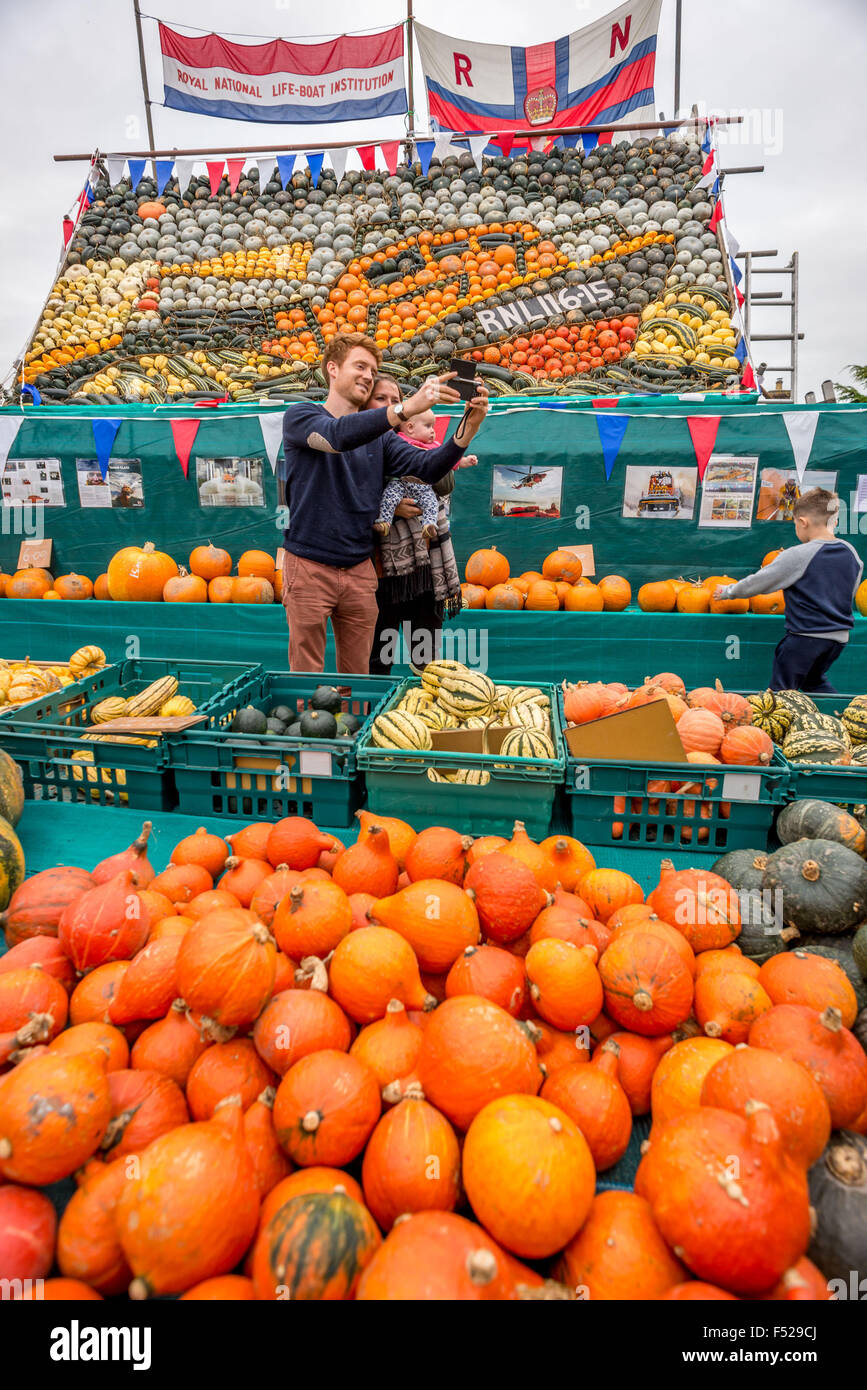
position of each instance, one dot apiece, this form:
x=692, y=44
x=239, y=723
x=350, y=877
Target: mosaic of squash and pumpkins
x=567, y=272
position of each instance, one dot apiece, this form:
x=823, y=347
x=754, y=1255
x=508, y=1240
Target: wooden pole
x=410, y=86
x=144, y=74
x=344, y=144
x=678, y=16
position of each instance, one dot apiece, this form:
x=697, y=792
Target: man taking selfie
x=336, y=458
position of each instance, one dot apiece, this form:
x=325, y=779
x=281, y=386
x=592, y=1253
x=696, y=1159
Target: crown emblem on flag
x=540, y=106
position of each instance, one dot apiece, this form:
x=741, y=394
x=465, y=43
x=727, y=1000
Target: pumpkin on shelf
x=487, y=567
x=210, y=562
x=185, y=588
x=140, y=573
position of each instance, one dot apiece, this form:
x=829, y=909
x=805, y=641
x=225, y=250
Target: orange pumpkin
x=473, y=595
x=592, y=1096
x=542, y=596
x=312, y=919
x=88, y=1247
x=505, y=596
x=619, y=1253
x=100, y=587
x=185, y=588
x=616, y=593
x=693, y=598
x=700, y=904
x=564, y=983
x=700, y=731
x=227, y=1288
x=297, y=1022
x=40, y=1143
x=170, y=1047
x=696, y=1291
x=73, y=586
x=487, y=567
x=390, y=1046
x=606, y=890
x=435, y=916
x=372, y=966
x=517, y=1137
x=210, y=562
x=564, y=565
x=658, y=596
x=144, y=1105
x=29, y=583
x=232, y=1068
x=412, y=1162
x=584, y=598
x=583, y=703
x=746, y=745
x=368, y=866
x=252, y=589
x=506, y=894
x=829, y=1052
x=727, y=1003
x=221, y=589
x=802, y=977
x=149, y=986
x=473, y=1050
x=226, y=966
x=648, y=989
x=204, y=848
x=326, y=1108
x=257, y=564
x=139, y=574
x=774, y=602
x=242, y=878
x=94, y=1037
x=679, y=1077
x=438, y=1255
x=571, y=859
x=493, y=973
x=637, y=1059
x=795, y=1099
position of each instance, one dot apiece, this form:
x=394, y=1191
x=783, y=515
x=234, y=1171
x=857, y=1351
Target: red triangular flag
x=389, y=153
x=716, y=216
x=215, y=174
x=505, y=143
x=605, y=402
x=606, y=137
x=748, y=379
x=367, y=155
x=183, y=433
x=702, y=429
x=441, y=427
x=236, y=169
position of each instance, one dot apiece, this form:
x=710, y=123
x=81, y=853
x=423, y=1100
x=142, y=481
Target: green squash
x=249, y=721
x=820, y=820
x=282, y=712
x=11, y=863
x=12, y=789
x=759, y=937
x=859, y=951
x=838, y=1196
x=348, y=724
x=326, y=697
x=823, y=885
x=318, y=723
x=315, y=1248
x=275, y=726
x=294, y=729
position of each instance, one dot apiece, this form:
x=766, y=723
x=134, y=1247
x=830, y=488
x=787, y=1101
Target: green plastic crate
x=520, y=788
x=608, y=803
x=843, y=785
x=46, y=737
x=220, y=773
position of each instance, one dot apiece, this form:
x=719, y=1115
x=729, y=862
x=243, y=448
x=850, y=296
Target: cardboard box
x=646, y=734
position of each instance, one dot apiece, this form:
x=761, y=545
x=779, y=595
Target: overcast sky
x=70, y=82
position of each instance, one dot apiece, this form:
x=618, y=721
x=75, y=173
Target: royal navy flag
x=351, y=78
x=602, y=73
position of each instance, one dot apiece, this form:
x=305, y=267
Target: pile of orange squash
x=145, y=574
x=288, y=1069
x=561, y=584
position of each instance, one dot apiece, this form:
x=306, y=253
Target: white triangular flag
x=266, y=169
x=337, y=160
x=442, y=143
x=801, y=427
x=183, y=173
x=731, y=240
x=9, y=427
x=271, y=426
x=114, y=165
x=477, y=144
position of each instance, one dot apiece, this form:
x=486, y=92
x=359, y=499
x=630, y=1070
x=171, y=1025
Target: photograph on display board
x=122, y=488
x=535, y=492
x=727, y=491
x=31, y=481
x=652, y=492
x=779, y=490
x=230, y=482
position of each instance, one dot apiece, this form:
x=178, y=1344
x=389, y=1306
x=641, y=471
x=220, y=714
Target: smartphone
x=465, y=383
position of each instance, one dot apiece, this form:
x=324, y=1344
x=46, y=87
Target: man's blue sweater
x=333, y=490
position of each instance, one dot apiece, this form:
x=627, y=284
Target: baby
x=421, y=432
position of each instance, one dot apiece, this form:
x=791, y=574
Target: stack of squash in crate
x=806, y=734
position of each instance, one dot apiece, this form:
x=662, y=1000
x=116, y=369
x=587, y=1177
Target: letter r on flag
x=462, y=69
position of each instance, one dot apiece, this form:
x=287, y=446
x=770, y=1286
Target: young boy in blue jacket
x=820, y=577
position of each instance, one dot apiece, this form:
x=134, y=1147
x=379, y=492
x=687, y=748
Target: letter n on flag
x=184, y=434
x=702, y=429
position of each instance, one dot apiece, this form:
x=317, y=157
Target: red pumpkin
x=412, y=1162
x=232, y=1068
x=648, y=989
x=144, y=1105
x=28, y=1227
x=36, y=907
x=107, y=923
x=54, y=1112
x=326, y=1108
x=225, y=967
x=829, y=1052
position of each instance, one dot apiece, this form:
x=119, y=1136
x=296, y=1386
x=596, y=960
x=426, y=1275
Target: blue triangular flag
x=569, y=142
x=314, y=162
x=285, y=166
x=741, y=350
x=589, y=142
x=612, y=428
x=424, y=149
x=165, y=168
x=104, y=432
x=136, y=172
x=715, y=189
x=705, y=144
x=737, y=273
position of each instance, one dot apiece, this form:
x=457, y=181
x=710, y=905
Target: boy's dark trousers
x=800, y=663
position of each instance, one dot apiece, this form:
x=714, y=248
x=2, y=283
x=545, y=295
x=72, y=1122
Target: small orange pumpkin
x=326, y=1108
x=487, y=567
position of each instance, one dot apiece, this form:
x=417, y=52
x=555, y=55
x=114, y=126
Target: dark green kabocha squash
x=318, y=723
x=823, y=886
x=838, y=1196
x=326, y=697
x=820, y=820
x=859, y=949
x=761, y=935
x=249, y=721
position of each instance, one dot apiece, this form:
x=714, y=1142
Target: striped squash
x=815, y=746
x=177, y=705
x=527, y=716
x=796, y=701
x=416, y=700
x=467, y=693
x=827, y=723
x=397, y=729
x=525, y=694
x=150, y=700
x=854, y=719
x=435, y=717
x=472, y=776
x=434, y=776
x=434, y=672
x=474, y=721
x=527, y=743
x=859, y=755
x=106, y=710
